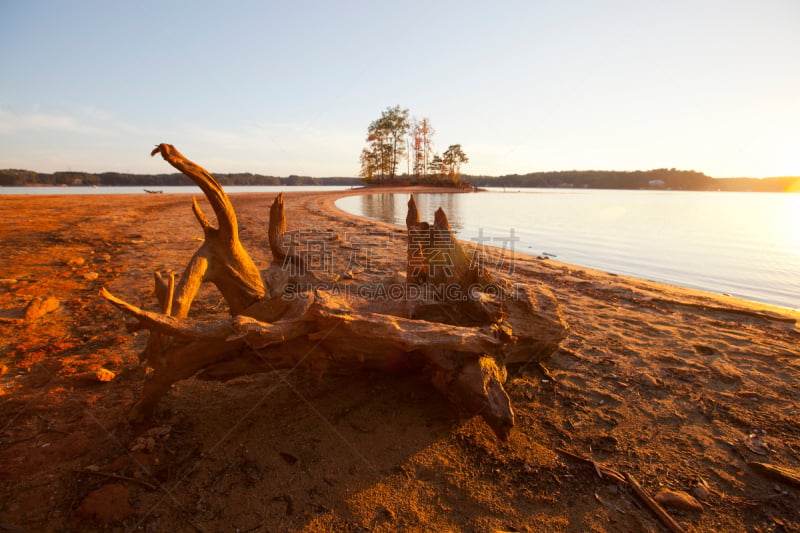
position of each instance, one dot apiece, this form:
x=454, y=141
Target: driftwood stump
x=463, y=344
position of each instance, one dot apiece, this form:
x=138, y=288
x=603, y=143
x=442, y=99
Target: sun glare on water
x=788, y=220
x=793, y=222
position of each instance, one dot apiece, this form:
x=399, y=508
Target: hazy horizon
x=171, y=170
x=278, y=89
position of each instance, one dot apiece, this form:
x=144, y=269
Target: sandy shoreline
x=675, y=386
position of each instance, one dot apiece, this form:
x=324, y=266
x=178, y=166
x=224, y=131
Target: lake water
x=743, y=244
x=173, y=189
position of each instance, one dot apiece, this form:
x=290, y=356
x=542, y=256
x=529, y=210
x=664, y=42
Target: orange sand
x=676, y=387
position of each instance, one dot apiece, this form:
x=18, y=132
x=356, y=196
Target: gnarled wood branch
x=221, y=259
x=464, y=344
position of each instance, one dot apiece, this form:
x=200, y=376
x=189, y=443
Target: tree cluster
x=395, y=137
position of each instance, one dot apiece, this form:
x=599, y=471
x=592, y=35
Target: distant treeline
x=662, y=178
x=14, y=177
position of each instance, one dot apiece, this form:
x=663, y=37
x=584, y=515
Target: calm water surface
x=743, y=244
x=172, y=189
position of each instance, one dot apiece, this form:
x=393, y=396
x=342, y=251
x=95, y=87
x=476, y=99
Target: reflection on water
x=743, y=244
x=392, y=208
x=379, y=206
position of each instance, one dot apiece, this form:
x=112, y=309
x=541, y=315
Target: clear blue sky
x=290, y=87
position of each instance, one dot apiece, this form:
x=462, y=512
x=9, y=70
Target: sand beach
x=682, y=393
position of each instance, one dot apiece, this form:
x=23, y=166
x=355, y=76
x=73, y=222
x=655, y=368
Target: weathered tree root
x=463, y=345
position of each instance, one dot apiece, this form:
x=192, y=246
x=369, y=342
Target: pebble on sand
x=678, y=500
x=40, y=306
x=105, y=375
x=76, y=262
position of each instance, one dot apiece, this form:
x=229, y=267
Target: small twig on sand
x=654, y=506
x=783, y=473
x=543, y=369
x=599, y=468
x=637, y=489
